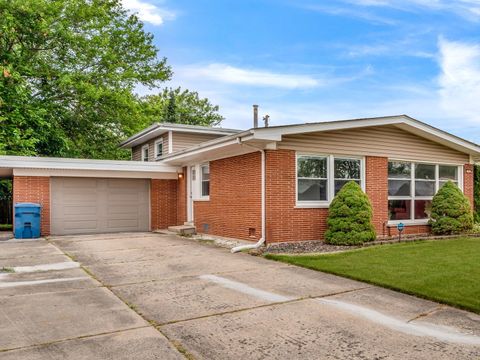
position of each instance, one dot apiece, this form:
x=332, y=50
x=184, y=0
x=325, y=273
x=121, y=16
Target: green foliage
x=476, y=194
x=350, y=217
x=68, y=69
x=179, y=106
x=451, y=211
x=5, y=189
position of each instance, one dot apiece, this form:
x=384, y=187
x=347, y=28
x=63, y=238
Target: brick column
x=377, y=189
x=163, y=203
x=35, y=189
x=468, y=172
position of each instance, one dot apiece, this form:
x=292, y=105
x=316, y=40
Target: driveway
x=152, y=296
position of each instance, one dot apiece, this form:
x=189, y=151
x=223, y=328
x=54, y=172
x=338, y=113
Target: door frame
x=190, y=186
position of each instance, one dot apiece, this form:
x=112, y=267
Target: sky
x=313, y=60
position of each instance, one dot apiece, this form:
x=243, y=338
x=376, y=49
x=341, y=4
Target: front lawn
x=447, y=271
x=6, y=227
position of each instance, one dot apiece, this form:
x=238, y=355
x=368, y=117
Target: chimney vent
x=255, y=116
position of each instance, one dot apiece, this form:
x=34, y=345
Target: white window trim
x=143, y=151
x=412, y=197
x=156, y=148
x=330, y=179
x=197, y=183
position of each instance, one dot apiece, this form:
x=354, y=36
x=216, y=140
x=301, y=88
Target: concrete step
x=183, y=229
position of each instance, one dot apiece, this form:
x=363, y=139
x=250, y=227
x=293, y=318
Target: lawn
x=447, y=271
x=6, y=227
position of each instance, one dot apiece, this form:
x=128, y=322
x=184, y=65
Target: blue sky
x=306, y=61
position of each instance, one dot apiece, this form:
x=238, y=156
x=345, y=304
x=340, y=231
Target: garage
x=98, y=205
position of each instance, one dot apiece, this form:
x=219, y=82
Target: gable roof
x=158, y=129
x=260, y=137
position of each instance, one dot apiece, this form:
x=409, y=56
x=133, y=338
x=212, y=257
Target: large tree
x=68, y=69
x=179, y=106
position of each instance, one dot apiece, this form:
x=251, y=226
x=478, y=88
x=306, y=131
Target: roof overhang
x=40, y=166
x=157, y=129
x=264, y=138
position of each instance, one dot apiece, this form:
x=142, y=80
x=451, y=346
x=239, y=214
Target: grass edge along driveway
x=446, y=271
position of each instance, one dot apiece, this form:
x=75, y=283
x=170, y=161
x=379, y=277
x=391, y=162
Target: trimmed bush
x=350, y=217
x=451, y=211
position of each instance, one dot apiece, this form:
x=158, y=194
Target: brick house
x=274, y=183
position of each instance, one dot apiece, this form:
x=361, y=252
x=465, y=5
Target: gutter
x=263, y=211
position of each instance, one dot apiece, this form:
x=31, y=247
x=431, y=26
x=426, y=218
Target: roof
x=260, y=137
x=158, y=129
x=21, y=165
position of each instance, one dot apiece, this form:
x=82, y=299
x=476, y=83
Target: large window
x=319, y=178
x=205, y=180
x=411, y=187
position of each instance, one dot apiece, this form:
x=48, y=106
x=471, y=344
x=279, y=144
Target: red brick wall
x=182, y=198
x=34, y=189
x=235, y=198
x=409, y=230
x=468, y=170
x=284, y=221
x=376, y=187
x=163, y=202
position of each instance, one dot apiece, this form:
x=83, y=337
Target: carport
x=81, y=196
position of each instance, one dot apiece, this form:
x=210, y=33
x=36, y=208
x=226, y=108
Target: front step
x=183, y=229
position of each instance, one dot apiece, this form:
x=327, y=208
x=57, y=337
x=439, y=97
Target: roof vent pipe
x=255, y=116
x=265, y=120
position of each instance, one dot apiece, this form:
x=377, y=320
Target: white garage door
x=93, y=205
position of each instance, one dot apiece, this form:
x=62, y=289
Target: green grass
x=6, y=227
x=447, y=271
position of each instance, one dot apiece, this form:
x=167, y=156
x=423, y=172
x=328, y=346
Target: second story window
x=145, y=153
x=158, y=148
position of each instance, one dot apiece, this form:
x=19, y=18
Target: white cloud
x=148, y=12
x=224, y=73
x=460, y=79
x=470, y=9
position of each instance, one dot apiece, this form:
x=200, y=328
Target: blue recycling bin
x=27, y=220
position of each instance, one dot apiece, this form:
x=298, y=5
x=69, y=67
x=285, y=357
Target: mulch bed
x=305, y=247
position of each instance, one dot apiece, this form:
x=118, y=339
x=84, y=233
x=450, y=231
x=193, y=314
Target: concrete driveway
x=153, y=296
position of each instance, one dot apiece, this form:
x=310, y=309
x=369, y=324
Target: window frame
x=158, y=141
x=201, y=181
x=145, y=147
x=330, y=178
x=413, y=179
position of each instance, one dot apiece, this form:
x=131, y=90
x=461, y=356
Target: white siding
x=387, y=141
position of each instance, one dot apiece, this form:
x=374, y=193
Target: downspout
x=263, y=211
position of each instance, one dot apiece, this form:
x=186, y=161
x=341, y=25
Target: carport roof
x=45, y=166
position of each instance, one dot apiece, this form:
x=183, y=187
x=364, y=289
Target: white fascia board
x=441, y=136
x=159, y=129
x=95, y=173
x=414, y=126
x=186, y=155
x=277, y=131
x=25, y=162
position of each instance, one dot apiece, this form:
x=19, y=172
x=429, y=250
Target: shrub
x=350, y=217
x=451, y=211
